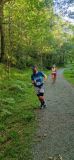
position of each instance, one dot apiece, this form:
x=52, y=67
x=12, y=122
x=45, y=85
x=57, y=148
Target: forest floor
x=55, y=132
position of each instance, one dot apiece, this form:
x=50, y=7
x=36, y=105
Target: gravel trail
x=55, y=132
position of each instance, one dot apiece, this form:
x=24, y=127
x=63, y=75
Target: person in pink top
x=53, y=73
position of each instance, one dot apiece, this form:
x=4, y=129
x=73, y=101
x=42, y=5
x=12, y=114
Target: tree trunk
x=2, y=45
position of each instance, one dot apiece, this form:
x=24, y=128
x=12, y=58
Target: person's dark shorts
x=40, y=94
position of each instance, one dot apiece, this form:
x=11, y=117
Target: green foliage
x=2, y=139
x=2, y=127
x=29, y=31
x=14, y=135
x=28, y=116
x=33, y=34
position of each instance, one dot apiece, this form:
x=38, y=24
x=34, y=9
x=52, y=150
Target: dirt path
x=55, y=133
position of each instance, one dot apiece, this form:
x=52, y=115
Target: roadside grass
x=17, y=114
x=69, y=74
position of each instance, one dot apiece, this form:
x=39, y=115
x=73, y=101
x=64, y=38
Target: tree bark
x=2, y=45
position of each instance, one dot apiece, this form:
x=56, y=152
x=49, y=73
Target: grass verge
x=69, y=74
x=17, y=114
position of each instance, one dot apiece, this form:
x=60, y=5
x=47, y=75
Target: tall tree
x=1, y=32
x=2, y=46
